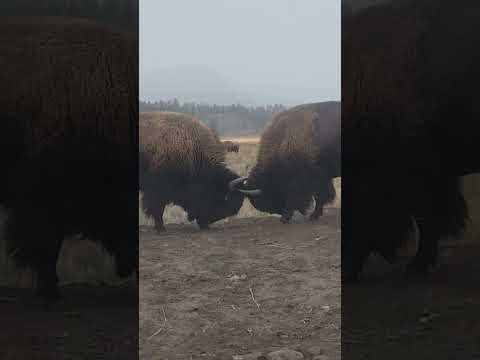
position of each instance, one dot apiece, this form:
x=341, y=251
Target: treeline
x=230, y=120
x=118, y=13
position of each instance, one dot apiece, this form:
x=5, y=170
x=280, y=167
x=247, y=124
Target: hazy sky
x=247, y=51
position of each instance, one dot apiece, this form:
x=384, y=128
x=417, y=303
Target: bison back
x=173, y=142
x=57, y=81
x=305, y=132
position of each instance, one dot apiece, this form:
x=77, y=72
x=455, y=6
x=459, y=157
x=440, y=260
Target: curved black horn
x=252, y=193
x=234, y=184
x=241, y=181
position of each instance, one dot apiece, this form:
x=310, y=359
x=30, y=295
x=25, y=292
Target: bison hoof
x=160, y=228
x=314, y=217
x=203, y=226
x=415, y=270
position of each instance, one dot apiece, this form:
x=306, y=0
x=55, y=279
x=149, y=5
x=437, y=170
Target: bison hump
x=179, y=140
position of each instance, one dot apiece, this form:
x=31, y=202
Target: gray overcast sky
x=247, y=51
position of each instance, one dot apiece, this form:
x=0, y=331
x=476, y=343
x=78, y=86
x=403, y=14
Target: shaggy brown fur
x=409, y=126
x=182, y=161
x=298, y=158
x=69, y=140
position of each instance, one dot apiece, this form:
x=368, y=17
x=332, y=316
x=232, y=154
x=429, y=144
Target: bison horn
x=241, y=181
x=234, y=184
x=252, y=193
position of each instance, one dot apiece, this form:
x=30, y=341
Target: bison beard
x=409, y=127
x=182, y=162
x=70, y=162
x=298, y=159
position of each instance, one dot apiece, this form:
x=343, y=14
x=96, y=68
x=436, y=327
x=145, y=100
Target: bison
x=298, y=158
x=230, y=146
x=182, y=161
x=68, y=141
x=409, y=127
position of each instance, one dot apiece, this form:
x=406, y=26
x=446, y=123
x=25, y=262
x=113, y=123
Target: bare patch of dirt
x=386, y=316
x=92, y=322
x=247, y=285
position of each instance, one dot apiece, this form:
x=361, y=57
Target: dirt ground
x=384, y=316
x=91, y=323
x=248, y=285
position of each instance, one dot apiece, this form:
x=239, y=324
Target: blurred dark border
x=121, y=14
x=88, y=323
x=386, y=315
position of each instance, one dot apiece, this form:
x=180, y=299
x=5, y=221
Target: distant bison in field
x=68, y=141
x=410, y=126
x=299, y=157
x=182, y=161
x=230, y=146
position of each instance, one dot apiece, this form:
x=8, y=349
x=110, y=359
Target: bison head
x=281, y=198
x=263, y=198
x=216, y=200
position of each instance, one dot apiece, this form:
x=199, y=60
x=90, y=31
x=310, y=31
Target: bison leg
x=286, y=215
x=353, y=260
x=156, y=212
x=154, y=209
x=318, y=209
x=159, y=225
x=202, y=225
x=36, y=246
x=356, y=244
x=324, y=195
x=427, y=249
x=47, y=279
x=46, y=266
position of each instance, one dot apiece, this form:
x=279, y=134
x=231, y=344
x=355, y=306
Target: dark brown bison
x=182, y=161
x=298, y=158
x=68, y=141
x=410, y=126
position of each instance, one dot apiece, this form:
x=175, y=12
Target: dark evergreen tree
x=231, y=120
